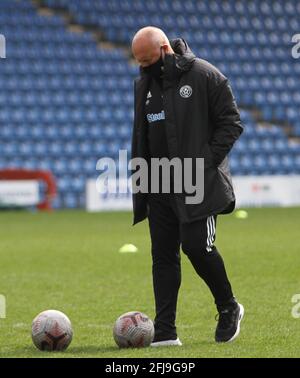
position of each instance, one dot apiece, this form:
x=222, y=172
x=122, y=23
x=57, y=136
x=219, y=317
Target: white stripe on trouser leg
x=209, y=231
x=210, y=224
x=214, y=230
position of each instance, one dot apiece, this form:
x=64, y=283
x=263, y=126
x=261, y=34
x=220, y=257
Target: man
x=184, y=108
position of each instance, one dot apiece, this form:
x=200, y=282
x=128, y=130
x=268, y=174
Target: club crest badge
x=186, y=91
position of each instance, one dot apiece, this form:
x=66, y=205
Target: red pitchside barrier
x=25, y=174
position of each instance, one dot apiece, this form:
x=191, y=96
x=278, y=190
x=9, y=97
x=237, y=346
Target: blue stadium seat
x=65, y=101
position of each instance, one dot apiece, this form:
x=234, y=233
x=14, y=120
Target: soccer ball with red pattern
x=133, y=330
x=52, y=331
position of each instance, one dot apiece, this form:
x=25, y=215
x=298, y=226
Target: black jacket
x=204, y=123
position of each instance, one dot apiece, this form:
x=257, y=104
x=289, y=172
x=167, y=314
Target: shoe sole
x=241, y=315
x=176, y=342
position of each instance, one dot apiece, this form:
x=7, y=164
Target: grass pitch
x=69, y=261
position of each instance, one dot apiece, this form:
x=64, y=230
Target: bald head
x=148, y=44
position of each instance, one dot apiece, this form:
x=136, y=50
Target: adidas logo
x=149, y=95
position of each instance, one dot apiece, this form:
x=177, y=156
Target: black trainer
x=228, y=327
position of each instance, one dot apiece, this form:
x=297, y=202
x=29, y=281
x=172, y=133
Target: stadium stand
x=250, y=42
x=65, y=102
x=61, y=99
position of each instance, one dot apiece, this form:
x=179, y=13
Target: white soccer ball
x=133, y=330
x=52, y=330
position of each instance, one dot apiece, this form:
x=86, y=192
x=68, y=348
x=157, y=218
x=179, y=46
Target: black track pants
x=196, y=240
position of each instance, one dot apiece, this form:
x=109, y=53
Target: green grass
x=69, y=261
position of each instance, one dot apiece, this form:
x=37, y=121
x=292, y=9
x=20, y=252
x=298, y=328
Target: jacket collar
x=176, y=64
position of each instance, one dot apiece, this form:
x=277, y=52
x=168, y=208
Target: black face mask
x=155, y=69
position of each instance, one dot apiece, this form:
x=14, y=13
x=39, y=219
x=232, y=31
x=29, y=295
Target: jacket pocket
x=208, y=157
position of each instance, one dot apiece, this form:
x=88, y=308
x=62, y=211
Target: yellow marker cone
x=241, y=214
x=128, y=248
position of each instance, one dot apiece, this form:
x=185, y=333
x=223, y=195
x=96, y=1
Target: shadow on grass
x=92, y=350
x=205, y=348
x=77, y=351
